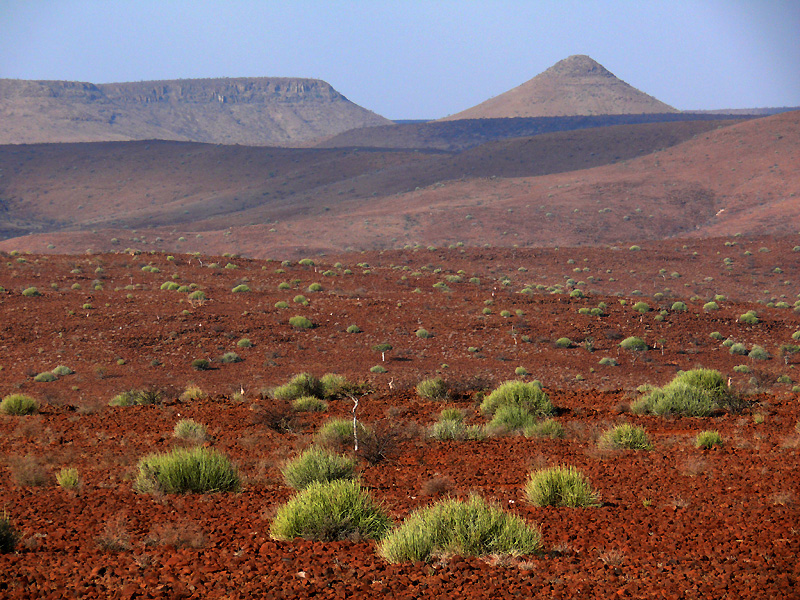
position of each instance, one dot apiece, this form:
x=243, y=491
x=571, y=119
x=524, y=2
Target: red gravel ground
x=675, y=522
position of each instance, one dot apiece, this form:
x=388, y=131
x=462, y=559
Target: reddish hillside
x=576, y=85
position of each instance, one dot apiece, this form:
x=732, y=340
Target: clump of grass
x=708, y=439
x=758, y=353
x=137, y=397
x=302, y=384
x=423, y=334
x=609, y=361
x=317, y=465
x=183, y=470
x=31, y=292
x=337, y=434
x=62, y=370
x=241, y=288
x=450, y=426
x=45, y=377
x=8, y=535
x=18, y=404
x=230, y=357
x=625, y=436
x=201, y=364
x=679, y=306
x=634, y=344
x=519, y=393
x=709, y=306
x=68, y=479
x=300, y=322
x=309, y=404
x=563, y=342
x=331, y=511
x=353, y=329
x=512, y=417
x=192, y=392
x=433, y=389
x=560, y=486
x=336, y=386
x=190, y=430
x=377, y=369
x=469, y=528
x=547, y=428
x=738, y=349
x=749, y=318
x=244, y=343
x=694, y=393
x=641, y=307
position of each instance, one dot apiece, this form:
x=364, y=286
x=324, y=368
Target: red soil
x=675, y=522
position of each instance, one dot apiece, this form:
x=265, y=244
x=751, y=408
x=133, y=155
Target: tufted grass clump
x=694, y=393
x=244, y=343
x=68, y=479
x=18, y=404
x=706, y=440
x=470, y=527
x=512, y=417
x=317, y=465
x=62, y=370
x=625, y=436
x=758, y=353
x=309, y=404
x=241, y=289
x=451, y=426
x=45, y=377
x=302, y=384
x=563, y=342
x=546, y=428
x=634, y=344
x=331, y=511
x=749, y=318
x=353, y=329
x=337, y=434
x=300, y=322
x=519, y=393
x=337, y=386
x=738, y=349
x=137, y=397
x=230, y=357
x=31, y=292
x=560, y=486
x=433, y=389
x=184, y=470
x=189, y=430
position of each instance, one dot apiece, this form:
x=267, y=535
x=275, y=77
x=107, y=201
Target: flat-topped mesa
x=237, y=90
x=575, y=86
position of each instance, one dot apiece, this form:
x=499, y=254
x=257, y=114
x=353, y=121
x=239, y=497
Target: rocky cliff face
x=253, y=111
x=574, y=86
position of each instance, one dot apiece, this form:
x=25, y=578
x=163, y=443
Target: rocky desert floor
x=674, y=522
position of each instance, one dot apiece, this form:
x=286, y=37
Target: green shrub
x=693, y=393
x=709, y=306
x=190, y=430
x=353, y=329
x=609, y=361
x=748, y=318
x=563, y=342
x=331, y=511
x=625, y=436
x=520, y=371
x=742, y=369
x=634, y=344
x=337, y=434
x=309, y=404
x=201, y=364
x=62, y=370
x=716, y=335
x=758, y=353
x=241, y=288
x=796, y=335
x=30, y=292
x=708, y=439
x=317, y=465
x=468, y=528
x=196, y=470
x=18, y=404
x=230, y=357
x=68, y=478
x=560, y=486
x=300, y=299
x=336, y=386
x=679, y=307
x=8, y=535
x=784, y=379
x=170, y=286
x=423, y=334
x=738, y=348
x=519, y=393
x=303, y=384
x=197, y=295
x=377, y=369
x=512, y=417
x=44, y=377
x=281, y=304
x=315, y=287
x=244, y=343
x=433, y=389
x=641, y=307
x=547, y=428
x=299, y=322
x=137, y=397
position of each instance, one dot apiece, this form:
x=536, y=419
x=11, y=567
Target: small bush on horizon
x=18, y=404
x=471, y=527
x=609, y=361
x=377, y=369
x=331, y=511
x=625, y=436
x=317, y=465
x=560, y=486
x=423, y=334
x=679, y=307
x=708, y=439
x=184, y=470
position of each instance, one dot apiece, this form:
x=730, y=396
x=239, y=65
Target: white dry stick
x=355, y=428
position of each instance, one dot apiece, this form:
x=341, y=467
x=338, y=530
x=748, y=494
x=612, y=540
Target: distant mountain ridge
x=246, y=110
x=577, y=85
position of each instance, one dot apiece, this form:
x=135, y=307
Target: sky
x=417, y=59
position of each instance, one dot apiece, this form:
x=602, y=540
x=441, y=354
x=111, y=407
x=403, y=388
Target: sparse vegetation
x=470, y=527
x=708, y=439
x=433, y=389
x=560, y=486
x=309, y=404
x=18, y=404
x=693, y=393
x=331, y=511
x=189, y=430
x=184, y=470
x=633, y=344
x=300, y=322
x=625, y=436
x=68, y=479
x=317, y=465
x=546, y=428
x=303, y=384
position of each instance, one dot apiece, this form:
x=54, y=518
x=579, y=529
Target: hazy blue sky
x=414, y=59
